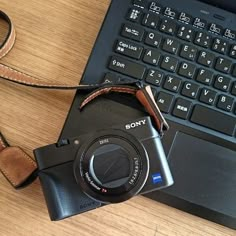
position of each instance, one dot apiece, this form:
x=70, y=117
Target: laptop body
x=185, y=50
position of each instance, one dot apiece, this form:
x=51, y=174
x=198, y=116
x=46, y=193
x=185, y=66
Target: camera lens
x=110, y=166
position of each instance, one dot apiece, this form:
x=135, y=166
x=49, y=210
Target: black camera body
x=107, y=166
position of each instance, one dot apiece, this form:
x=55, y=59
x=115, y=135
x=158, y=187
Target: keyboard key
x=110, y=78
x=134, y=14
x=219, y=45
x=170, y=12
x=199, y=23
x=203, y=39
x=182, y=108
x=208, y=96
x=170, y=45
x=172, y=83
x=190, y=90
x=234, y=70
x=153, y=39
x=129, y=49
x=187, y=70
x=169, y=63
x=225, y=103
x=168, y=26
x=206, y=58
x=223, y=65
x=205, y=76
x=213, y=119
x=185, y=33
x=132, y=31
x=154, y=77
x=186, y=18
x=155, y=7
x=233, y=91
x=188, y=52
x=232, y=52
x=216, y=29
x=164, y=101
x=140, y=3
x=222, y=83
x=231, y=34
x=151, y=20
x=126, y=67
x=151, y=56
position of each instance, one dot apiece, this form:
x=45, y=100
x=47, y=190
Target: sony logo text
x=135, y=124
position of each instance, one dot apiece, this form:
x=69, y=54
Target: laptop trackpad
x=204, y=173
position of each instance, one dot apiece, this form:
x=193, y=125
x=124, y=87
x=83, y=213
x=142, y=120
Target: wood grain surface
x=54, y=40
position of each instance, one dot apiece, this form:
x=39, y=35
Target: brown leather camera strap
x=17, y=166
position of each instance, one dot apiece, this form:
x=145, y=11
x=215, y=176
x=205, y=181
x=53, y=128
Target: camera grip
x=63, y=195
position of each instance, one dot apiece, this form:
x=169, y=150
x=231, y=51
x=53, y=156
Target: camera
x=106, y=166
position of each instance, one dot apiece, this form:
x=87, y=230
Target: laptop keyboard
x=190, y=63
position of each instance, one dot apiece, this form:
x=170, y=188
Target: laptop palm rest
x=204, y=174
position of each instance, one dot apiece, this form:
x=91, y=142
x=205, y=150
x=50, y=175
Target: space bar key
x=214, y=120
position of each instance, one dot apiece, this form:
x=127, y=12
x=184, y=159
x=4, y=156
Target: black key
x=168, y=26
x=132, y=31
x=219, y=45
x=233, y=91
x=202, y=39
x=231, y=34
x=205, y=76
x=129, y=49
x=170, y=45
x=234, y=70
x=140, y=3
x=222, y=83
x=188, y=52
x=172, y=83
x=206, y=58
x=190, y=90
x=223, y=65
x=110, y=78
x=225, y=103
x=169, y=63
x=153, y=39
x=151, y=20
x=154, y=77
x=185, y=33
x=134, y=14
x=199, y=23
x=170, y=12
x=216, y=29
x=232, y=52
x=127, y=67
x=186, y=18
x=151, y=56
x=164, y=101
x=213, y=119
x=187, y=70
x=208, y=96
x=182, y=108
x=155, y=7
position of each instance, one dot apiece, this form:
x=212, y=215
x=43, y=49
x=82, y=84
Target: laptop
x=186, y=50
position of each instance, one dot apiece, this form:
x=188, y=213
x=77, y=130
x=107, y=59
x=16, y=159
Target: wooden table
x=54, y=40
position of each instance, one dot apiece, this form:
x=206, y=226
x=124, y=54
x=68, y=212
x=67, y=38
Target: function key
x=151, y=20
x=200, y=23
x=185, y=18
x=219, y=45
x=153, y=39
x=133, y=32
x=134, y=15
x=216, y=29
x=232, y=52
x=155, y=7
x=231, y=34
x=140, y=3
x=168, y=26
x=170, y=12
